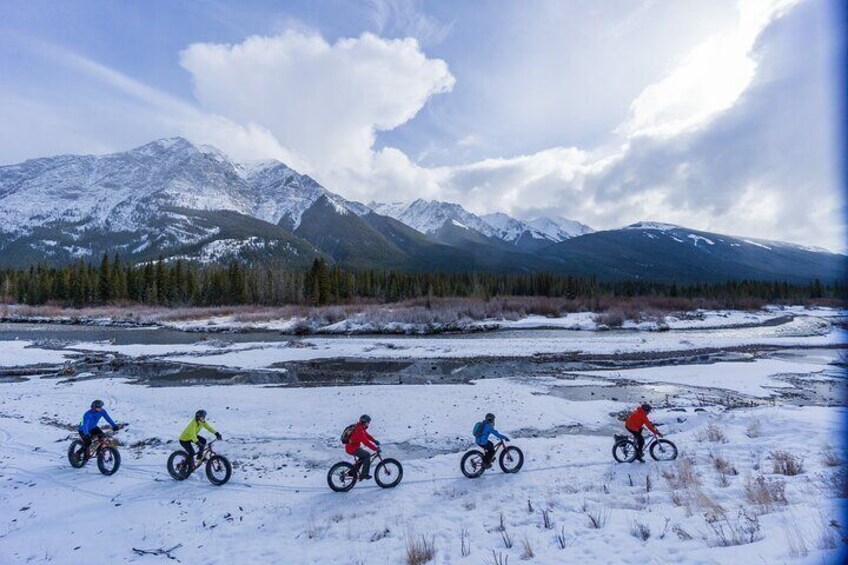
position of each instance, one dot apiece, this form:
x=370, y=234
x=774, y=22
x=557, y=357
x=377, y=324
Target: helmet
x=200, y=414
x=365, y=419
x=97, y=404
x=646, y=407
x=490, y=417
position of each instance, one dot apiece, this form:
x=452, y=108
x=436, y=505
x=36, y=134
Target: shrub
x=765, y=493
x=725, y=531
x=640, y=531
x=785, y=463
x=715, y=434
x=830, y=458
x=420, y=551
x=754, y=428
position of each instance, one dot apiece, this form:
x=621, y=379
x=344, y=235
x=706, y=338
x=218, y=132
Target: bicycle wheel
x=624, y=451
x=179, y=465
x=511, y=459
x=388, y=473
x=472, y=464
x=76, y=454
x=341, y=477
x=663, y=450
x=218, y=470
x=108, y=460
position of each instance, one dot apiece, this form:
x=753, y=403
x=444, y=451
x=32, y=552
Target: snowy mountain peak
x=558, y=228
x=429, y=216
x=657, y=226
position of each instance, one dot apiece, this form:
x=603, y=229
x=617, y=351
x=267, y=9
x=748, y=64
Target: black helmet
x=200, y=414
x=490, y=417
x=97, y=404
x=365, y=419
x=646, y=407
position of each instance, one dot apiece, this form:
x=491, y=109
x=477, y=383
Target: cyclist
x=484, y=429
x=189, y=435
x=358, y=437
x=634, y=424
x=88, y=428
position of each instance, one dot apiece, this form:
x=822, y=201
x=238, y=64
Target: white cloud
x=708, y=80
x=323, y=102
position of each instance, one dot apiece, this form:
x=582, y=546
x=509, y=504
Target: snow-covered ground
x=277, y=508
x=405, y=320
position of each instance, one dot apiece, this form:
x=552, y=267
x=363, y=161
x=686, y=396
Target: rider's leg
x=640, y=443
x=364, y=458
x=201, y=441
x=490, y=453
x=189, y=448
x=86, y=440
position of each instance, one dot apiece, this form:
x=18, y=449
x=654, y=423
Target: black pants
x=88, y=438
x=189, y=447
x=363, y=457
x=489, y=448
x=640, y=442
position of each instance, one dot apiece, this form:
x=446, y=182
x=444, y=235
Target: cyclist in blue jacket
x=487, y=428
x=88, y=428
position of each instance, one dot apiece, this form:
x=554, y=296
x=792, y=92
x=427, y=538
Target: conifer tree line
x=180, y=283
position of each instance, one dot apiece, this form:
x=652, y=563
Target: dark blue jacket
x=488, y=428
x=90, y=419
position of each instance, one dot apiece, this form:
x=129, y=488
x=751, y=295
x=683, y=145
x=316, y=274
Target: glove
x=117, y=427
x=505, y=438
x=379, y=450
x=376, y=442
x=217, y=435
x=659, y=434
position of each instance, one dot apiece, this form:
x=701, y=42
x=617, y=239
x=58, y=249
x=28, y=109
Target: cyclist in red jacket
x=359, y=437
x=634, y=424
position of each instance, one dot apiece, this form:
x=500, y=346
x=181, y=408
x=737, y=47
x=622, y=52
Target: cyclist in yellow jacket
x=189, y=435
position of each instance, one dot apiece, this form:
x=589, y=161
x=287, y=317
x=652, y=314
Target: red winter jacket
x=359, y=436
x=638, y=419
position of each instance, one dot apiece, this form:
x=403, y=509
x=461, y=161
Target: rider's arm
x=498, y=435
x=108, y=419
x=651, y=427
x=208, y=426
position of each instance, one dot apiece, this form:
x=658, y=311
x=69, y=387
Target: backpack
x=478, y=429
x=346, y=433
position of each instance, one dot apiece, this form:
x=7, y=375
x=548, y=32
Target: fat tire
x=664, y=456
x=386, y=464
x=472, y=473
x=227, y=468
x=625, y=446
x=511, y=451
x=172, y=465
x=101, y=460
x=76, y=460
x=335, y=470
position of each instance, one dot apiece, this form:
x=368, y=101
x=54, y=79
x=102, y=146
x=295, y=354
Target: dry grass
x=598, y=517
x=785, y=463
x=640, y=531
x=563, y=541
x=830, y=457
x=420, y=551
x=754, y=428
x=526, y=549
x=765, y=493
x=726, y=531
x=714, y=434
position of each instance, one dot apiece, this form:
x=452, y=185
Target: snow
x=277, y=507
x=696, y=238
x=558, y=228
x=658, y=226
x=753, y=377
x=750, y=242
x=23, y=353
x=801, y=331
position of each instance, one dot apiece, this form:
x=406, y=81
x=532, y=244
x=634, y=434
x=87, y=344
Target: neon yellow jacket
x=190, y=433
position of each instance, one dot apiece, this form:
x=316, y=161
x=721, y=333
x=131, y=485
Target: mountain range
x=175, y=199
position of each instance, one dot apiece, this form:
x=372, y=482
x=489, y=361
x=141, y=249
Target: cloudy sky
x=721, y=115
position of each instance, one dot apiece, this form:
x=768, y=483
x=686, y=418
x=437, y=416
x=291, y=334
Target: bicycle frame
x=207, y=453
x=95, y=447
